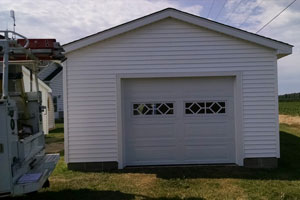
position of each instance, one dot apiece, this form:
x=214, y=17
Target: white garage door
x=178, y=121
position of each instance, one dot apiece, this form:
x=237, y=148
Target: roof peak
x=282, y=48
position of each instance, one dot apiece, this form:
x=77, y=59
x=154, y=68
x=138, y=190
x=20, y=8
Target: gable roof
x=58, y=76
x=282, y=48
x=53, y=74
x=49, y=72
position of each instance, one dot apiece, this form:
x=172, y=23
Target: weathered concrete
x=93, y=166
x=261, y=162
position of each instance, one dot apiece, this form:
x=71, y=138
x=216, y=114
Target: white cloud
x=67, y=20
x=284, y=28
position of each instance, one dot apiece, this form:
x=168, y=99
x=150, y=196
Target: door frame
x=238, y=106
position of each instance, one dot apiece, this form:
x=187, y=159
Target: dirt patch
x=54, y=147
x=290, y=120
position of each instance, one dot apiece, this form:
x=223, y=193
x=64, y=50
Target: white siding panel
x=95, y=133
x=92, y=129
x=93, y=151
x=173, y=58
x=57, y=90
x=259, y=116
x=87, y=107
x=103, y=147
x=162, y=47
x=212, y=67
x=170, y=61
x=90, y=159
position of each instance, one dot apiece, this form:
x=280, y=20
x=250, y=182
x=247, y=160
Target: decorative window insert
x=153, y=108
x=205, y=107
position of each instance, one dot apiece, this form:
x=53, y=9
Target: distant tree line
x=289, y=97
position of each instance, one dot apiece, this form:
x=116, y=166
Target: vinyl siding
x=162, y=47
x=56, y=85
x=51, y=119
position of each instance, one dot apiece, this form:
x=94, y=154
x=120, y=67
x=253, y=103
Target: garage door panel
x=146, y=96
x=207, y=154
x=211, y=119
x=161, y=121
x=208, y=86
x=152, y=131
x=149, y=155
x=203, y=130
x=154, y=142
x=206, y=94
x=206, y=141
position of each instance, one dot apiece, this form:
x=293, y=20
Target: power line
x=221, y=9
x=250, y=13
x=276, y=16
x=211, y=6
x=233, y=11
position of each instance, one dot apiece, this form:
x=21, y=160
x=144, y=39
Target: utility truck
x=24, y=166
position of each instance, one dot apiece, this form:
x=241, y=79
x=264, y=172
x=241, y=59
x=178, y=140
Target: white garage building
x=171, y=88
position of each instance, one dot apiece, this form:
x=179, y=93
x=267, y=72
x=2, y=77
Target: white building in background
x=48, y=114
x=52, y=76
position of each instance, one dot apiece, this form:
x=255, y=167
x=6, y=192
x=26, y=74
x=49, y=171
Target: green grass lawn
x=55, y=140
x=181, y=182
x=56, y=135
x=289, y=108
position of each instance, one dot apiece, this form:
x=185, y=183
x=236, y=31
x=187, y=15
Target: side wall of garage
x=164, y=47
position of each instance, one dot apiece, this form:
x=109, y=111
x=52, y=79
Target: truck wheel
x=46, y=184
x=31, y=193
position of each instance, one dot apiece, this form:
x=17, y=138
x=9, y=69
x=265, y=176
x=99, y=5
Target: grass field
x=55, y=140
x=172, y=183
x=289, y=108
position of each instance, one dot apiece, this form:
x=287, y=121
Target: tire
x=46, y=184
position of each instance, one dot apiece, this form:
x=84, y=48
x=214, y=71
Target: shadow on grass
x=290, y=151
x=82, y=194
x=62, y=152
x=288, y=169
x=57, y=130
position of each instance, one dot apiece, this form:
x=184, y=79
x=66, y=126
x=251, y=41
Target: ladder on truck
x=25, y=167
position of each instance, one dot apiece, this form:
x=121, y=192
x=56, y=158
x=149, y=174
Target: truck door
x=5, y=171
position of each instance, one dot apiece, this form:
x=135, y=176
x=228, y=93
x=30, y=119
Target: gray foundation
x=266, y=163
x=93, y=166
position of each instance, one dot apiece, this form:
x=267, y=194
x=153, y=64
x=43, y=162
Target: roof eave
x=285, y=52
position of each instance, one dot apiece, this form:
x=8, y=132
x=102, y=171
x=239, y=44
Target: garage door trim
x=237, y=106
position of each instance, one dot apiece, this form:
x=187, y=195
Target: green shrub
x=289, y=108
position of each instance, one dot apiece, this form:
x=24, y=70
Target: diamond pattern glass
x=153, y=109
x=209, y=107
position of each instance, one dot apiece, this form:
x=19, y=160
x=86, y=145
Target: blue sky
x=67, y=20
